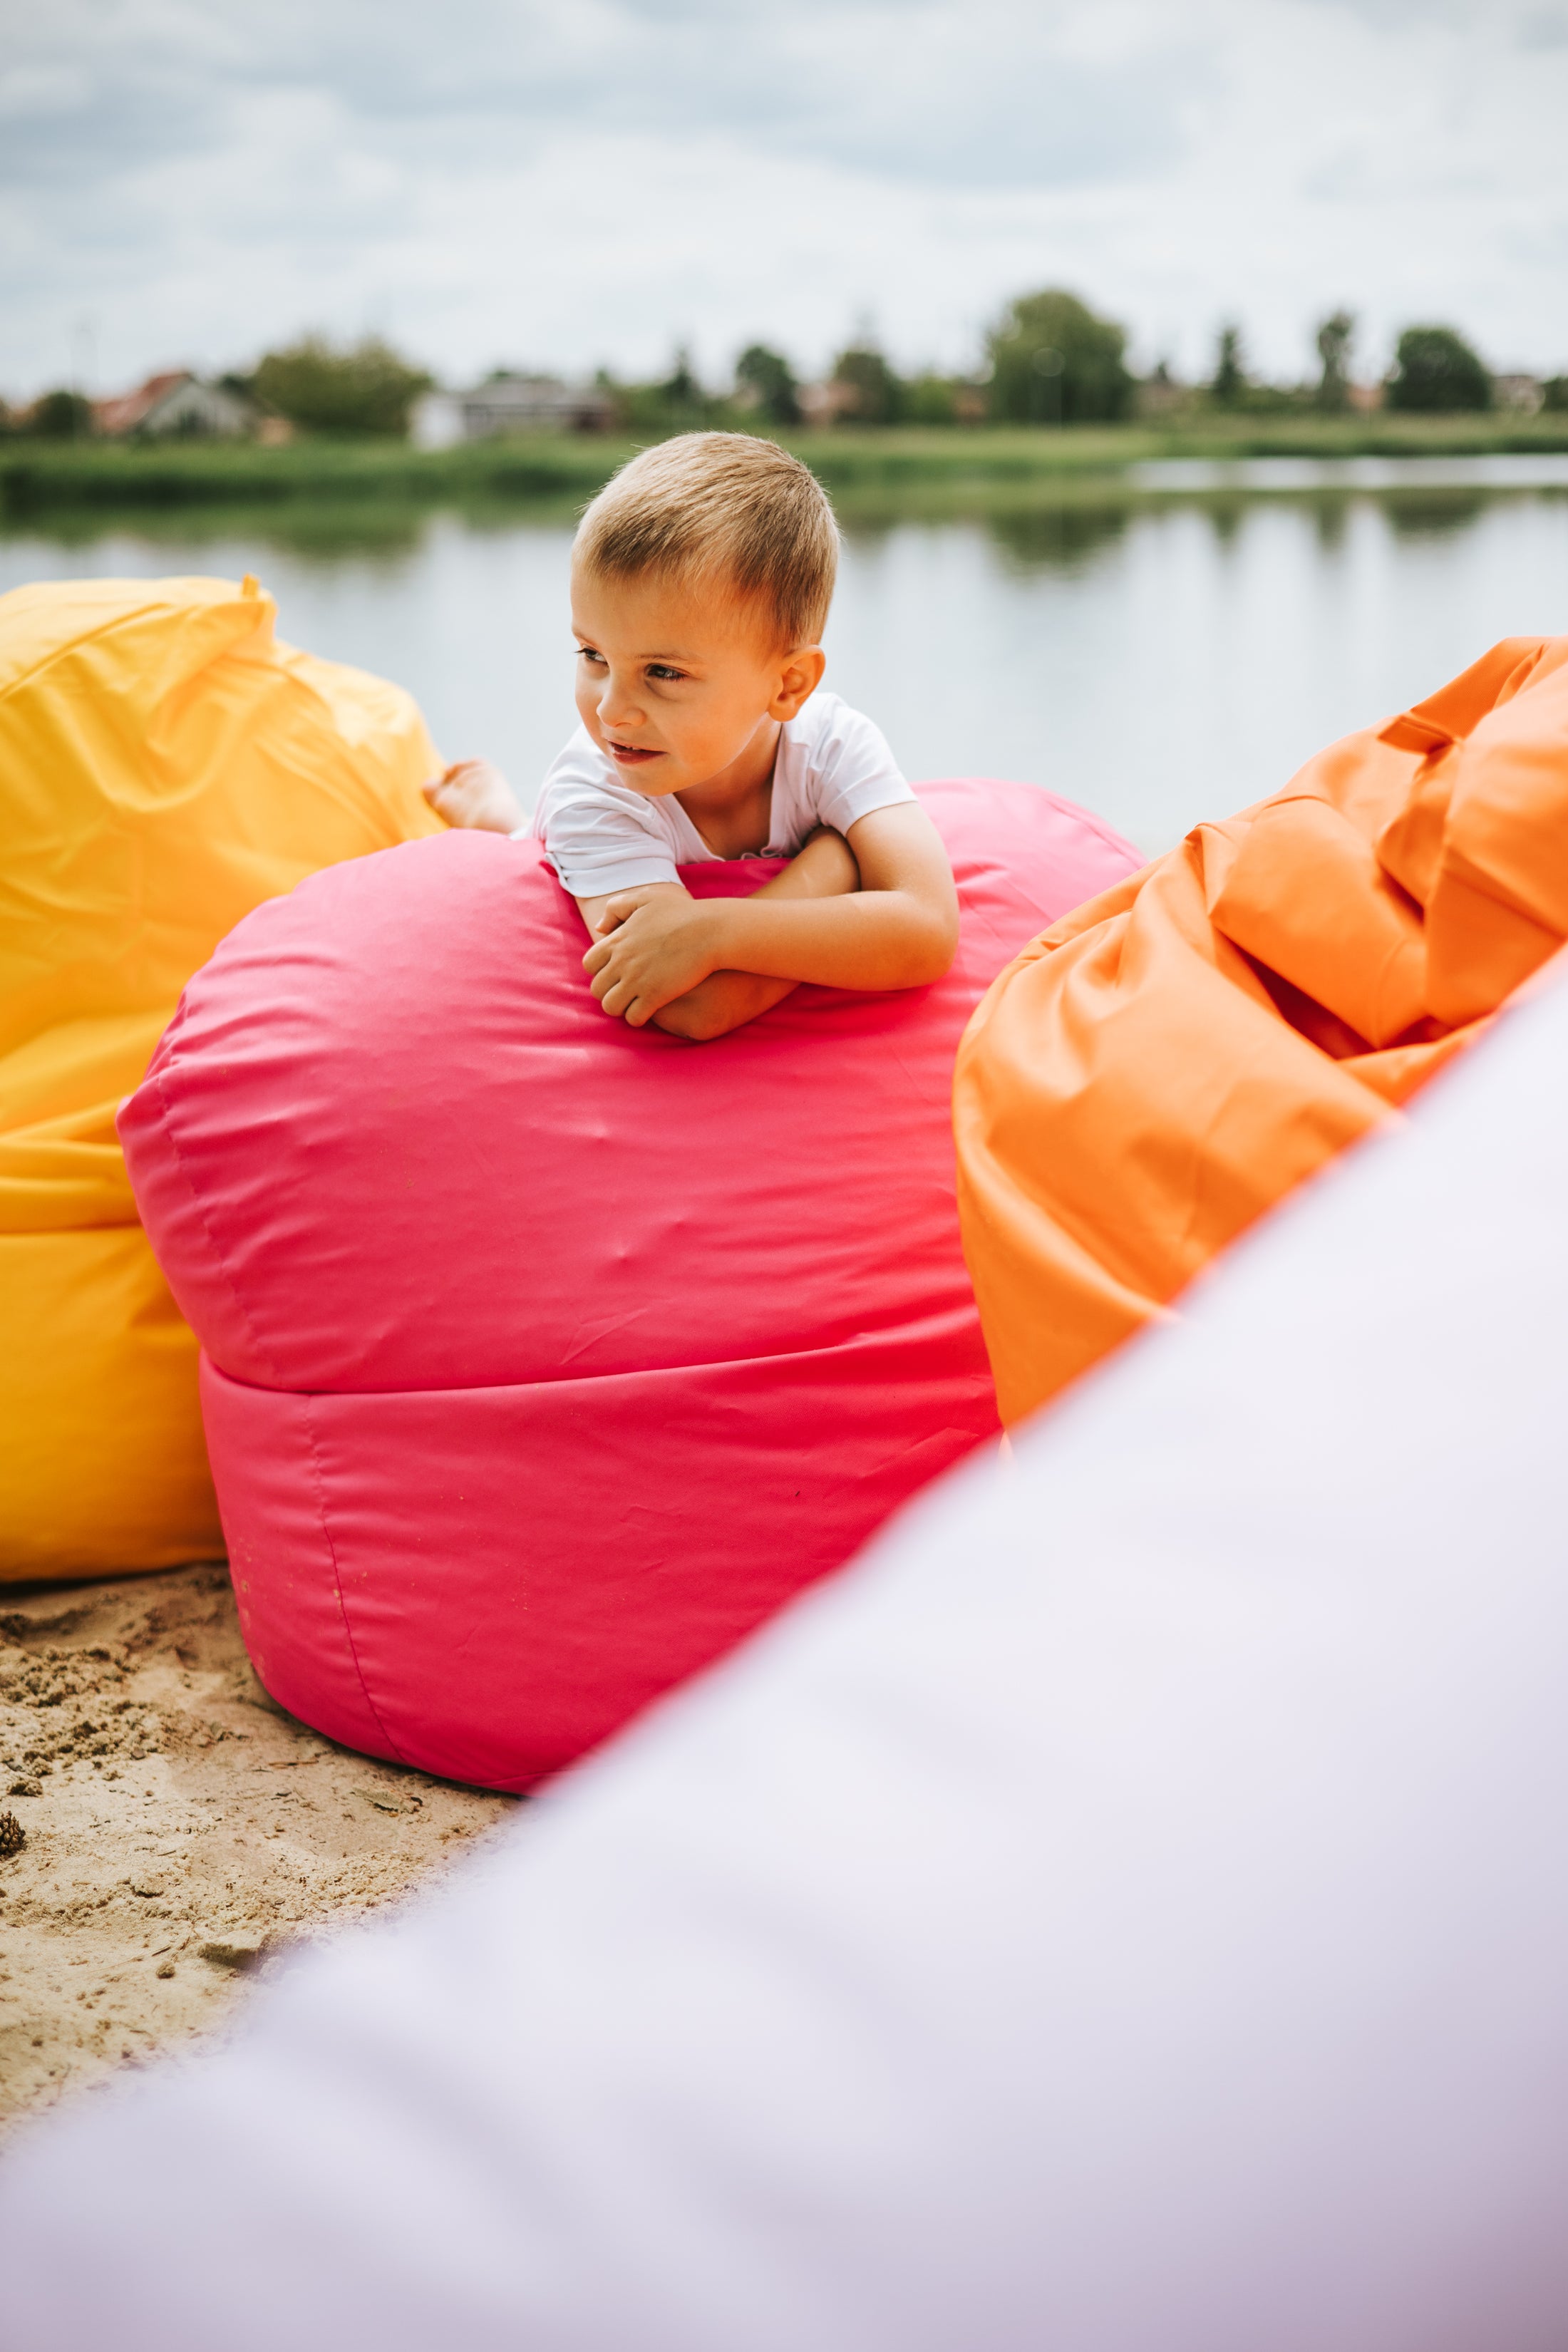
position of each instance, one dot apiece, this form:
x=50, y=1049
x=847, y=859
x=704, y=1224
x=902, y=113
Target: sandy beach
x=166, y=1830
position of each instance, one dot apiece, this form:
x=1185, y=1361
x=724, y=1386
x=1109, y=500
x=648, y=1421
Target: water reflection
x=328, y=533
x=1330, y=520
x=1162, y=646
x=1057, y=539
x=1434, y=513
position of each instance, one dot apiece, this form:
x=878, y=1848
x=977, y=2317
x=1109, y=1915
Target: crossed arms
x=878, y=910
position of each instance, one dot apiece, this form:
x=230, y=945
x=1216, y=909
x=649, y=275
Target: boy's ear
x=800, y=676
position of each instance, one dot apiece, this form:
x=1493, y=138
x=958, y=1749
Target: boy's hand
x=610, y=913
x=654, y=945
x=476, y=795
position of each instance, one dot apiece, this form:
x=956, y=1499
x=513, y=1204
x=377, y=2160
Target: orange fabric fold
x=1165, y=1065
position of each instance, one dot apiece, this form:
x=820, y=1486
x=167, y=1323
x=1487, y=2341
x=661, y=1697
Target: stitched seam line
x=264, y=1354
x=321, y=1486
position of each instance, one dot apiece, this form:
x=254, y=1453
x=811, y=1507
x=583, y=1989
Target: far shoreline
x=38, y=478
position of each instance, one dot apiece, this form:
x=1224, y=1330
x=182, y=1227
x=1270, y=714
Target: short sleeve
x=598, y=834
x=850, y=770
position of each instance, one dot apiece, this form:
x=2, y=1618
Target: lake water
x=1162, y=646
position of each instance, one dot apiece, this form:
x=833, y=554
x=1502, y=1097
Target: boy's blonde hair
x=721, y=505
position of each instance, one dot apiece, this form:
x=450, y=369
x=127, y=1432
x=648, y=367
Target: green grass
x=36, y=477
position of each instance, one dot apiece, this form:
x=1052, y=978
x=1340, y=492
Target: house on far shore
x=1162, y=393
x=822, y=404
x=178, y=406
x=508, y=403
x=1521, y=394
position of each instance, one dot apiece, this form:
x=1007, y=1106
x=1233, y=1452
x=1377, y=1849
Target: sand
x=177, y=1830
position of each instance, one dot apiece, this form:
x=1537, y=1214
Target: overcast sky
x=561, y=182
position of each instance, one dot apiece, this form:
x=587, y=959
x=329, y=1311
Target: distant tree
x=60, y=416
x=1335, y=337
x=618, y=397
x=683, y=396
x=678, y=402
x=932, y=399
x=366, y=389
x=768, y=379
x=872, y=392
x=1227, y=386
x=1554, y=392
x=1054, y=361
x=1436, y=370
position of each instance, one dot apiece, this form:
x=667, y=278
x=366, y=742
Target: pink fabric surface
x=546, y=1357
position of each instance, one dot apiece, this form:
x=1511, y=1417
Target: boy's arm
x=474, y=793
x=898, y=930
x=824, y=869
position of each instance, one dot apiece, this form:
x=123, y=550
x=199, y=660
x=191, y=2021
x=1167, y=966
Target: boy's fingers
x=612, y=991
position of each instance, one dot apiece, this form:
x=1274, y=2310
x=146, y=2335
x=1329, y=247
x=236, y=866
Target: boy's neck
x=734, y=810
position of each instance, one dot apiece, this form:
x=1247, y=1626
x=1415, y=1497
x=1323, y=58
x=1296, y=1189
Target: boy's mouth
x=627, y=755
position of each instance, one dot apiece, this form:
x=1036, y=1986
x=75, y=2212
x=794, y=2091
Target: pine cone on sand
x=12, y=1836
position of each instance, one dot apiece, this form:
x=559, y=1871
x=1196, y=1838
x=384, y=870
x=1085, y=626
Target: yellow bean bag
x=164, y=765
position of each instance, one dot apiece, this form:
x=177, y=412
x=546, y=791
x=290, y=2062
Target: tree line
x=1051, y=360
x=1048, y=360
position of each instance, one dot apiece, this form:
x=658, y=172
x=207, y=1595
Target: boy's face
x=676, y=683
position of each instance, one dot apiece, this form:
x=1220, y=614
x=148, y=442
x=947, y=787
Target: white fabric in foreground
x=1125, y=1914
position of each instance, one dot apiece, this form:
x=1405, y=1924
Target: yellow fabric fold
x=165, y=764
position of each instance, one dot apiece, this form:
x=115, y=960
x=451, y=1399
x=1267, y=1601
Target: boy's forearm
x=724, y=1001
x=870, y=938
x=824, y=869
x=655, y=949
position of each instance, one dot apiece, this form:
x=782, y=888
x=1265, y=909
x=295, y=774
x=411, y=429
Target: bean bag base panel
x=411, y=1585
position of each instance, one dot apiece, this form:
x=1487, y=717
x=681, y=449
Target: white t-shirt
x=833, y=767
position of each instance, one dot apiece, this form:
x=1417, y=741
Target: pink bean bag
x=545, y=1358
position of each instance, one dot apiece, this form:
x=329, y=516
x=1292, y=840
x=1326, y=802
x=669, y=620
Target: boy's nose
x=618, y=706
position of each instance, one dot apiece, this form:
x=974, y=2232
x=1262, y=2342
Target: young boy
x=700, y=582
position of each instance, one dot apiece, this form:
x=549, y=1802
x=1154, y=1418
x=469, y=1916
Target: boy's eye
x=662, y=670
x=589, y=653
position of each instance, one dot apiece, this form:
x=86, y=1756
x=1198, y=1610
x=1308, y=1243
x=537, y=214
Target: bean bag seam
x=74, y=644
x=157, y=1078
x=321, y=1484
x=1092, y=823
x=1085, y=817
x=941, y=1324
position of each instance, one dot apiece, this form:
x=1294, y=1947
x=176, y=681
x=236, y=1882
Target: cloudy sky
x=563, y=182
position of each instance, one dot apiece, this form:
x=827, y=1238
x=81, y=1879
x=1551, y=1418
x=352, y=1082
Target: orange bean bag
x=1164, y=1065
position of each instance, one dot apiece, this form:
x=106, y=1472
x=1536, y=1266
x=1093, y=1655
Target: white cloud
x=533, y=181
